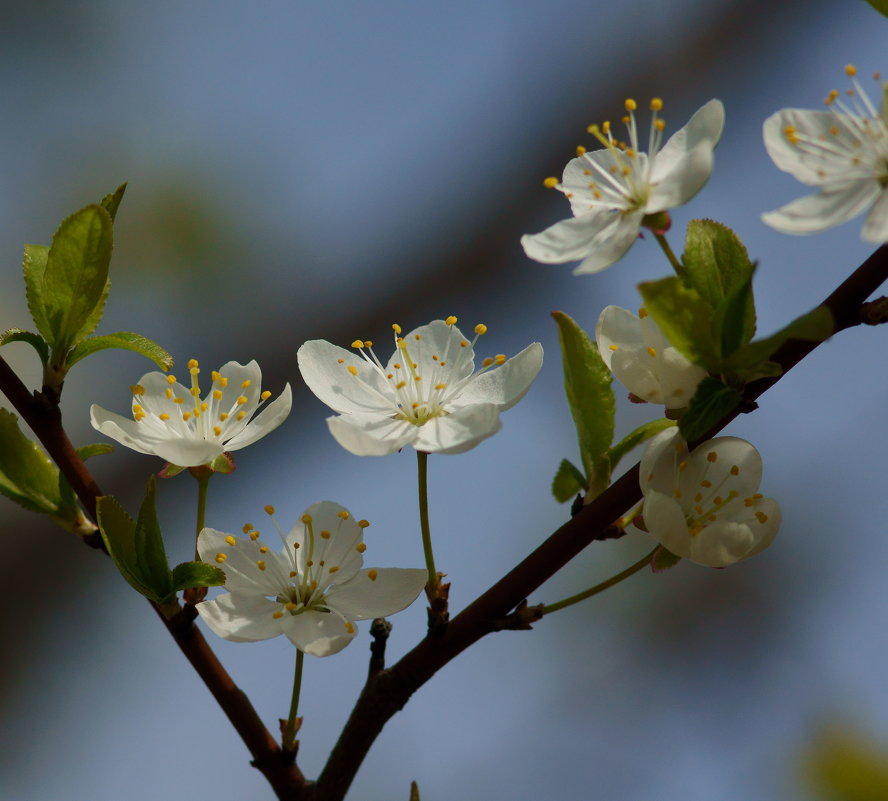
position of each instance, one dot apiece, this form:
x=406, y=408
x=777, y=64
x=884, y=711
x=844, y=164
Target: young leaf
x=641, y=434
x=568, y=482
x=96, y=449
x=112, y=202
x=126, y=341
x=716, y=262
x=118, y=531
x=33, y=269
x=686, y=319
x=27, y=475
x=711, y=402
x=880, y=5
x=587, y=383
x=150, y=553
x=735, y=318
x=196, y=574
x=34, y=340
x=76, y=274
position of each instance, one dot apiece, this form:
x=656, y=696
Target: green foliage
x=126, y=341
x=712, y=401
x=34, y=340
x=136, y=547
x=880, y=5
x=96, y=449
x=33, y=269
x=587, y=384
x=842, y=766
x=568, y=481
x=641, y=434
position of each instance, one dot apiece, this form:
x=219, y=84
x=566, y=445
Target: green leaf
x=880, y=5
x=641, y=434
x=150, y=553
x=196, y=574
x=752, y=361
x=568, y=482
x=686, y=318
x=33, y=269
x=76, y=274
x=715, y=261
x=843, y=766
x=27, y=475
x=112, y=202
x=126, y=341
x=663, y=560
x=34, y=340
x=735, y=319
x=96, y=449
x=587, y=384
x=711, y=402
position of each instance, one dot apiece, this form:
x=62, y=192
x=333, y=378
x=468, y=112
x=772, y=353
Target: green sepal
x=126, y=341
x=752, y=361
x=641, y=434
x=196, y=574
x=27, y=475
x=587, y=384
x=223, y=463
x=686, y=319
x=880, y=5
x=76, y=276
x=33, y=270
x=712, y=401
x=34, y=340
x=568, y=482
x=663, y=560
x=112, y=202
x=137, y=546
x=95, y=449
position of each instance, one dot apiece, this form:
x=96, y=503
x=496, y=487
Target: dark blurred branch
x=45, y=419
x=387, y=691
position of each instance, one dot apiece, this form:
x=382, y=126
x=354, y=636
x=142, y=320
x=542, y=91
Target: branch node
x=437, y=609
x=380, y=629
x=522, y=619
x=875, y=312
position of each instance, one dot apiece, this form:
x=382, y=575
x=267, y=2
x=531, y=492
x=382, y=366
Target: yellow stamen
x=372, y=574
x=396, y=328
x=361, y=547
x=451, y=320
x=269, y=510
x=221, y=557
x=550, y=182
x=260, y=564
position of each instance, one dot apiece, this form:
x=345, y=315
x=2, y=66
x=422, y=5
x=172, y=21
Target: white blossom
x=637, y=352
x=705, y=505
x=613, y=189
x=844, y=152
x=427, y=395
x=173, y=421
x=311, y=591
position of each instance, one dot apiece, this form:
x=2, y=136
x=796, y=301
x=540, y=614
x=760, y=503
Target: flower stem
x=645, y=560
x=673, y=259
x=291, y=728
x=422, y=460
x=203, y=482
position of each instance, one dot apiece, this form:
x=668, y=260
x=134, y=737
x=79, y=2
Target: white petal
x=436, y=339
x=764, y=532
x=876, y=227
x=676, y=183
x=242, y=573
x=392, y=590
x=737, y=466
x=317, y=633
x=665, y=521
x=678, y=378
x=616, y=328
x=721, y=544
x=188, y=452
x=459, y=431
x=504, y=386
x=568, y=240
x=819, y=212
x=660, y=460
x=263, y=423
x=339, y=549
x=125, y=431
x=612, y=242
x=634, y=370
x=240, y=618
x=371, y=434
x=331, y=382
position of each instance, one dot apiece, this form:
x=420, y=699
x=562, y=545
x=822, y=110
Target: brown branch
x=45, y=420
x=387, y=691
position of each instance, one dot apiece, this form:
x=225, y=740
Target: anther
x=630, y=104
x=500, y=358
x=269, y=510
x=325, y=535
x=361, y=547
x=163, y=416
x=850, y=70
x=642, y=313
x=711, y=456
x=231, y=540
x=247, y=528
x=451, y=320
x=396, y=328
x=550, y=182
x=372, y=574
x=656, y=104
x=358, y=343
x=581, y=151
x=221, y=557
x=343, y=514
x=364, y=523
x=137, y=389
x=277, y=615
x=480, y=329
x=651, y=351
x=260, y=564
x=171, y=379
x=735, y=470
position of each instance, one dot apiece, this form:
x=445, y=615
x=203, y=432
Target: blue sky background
x=301, y=170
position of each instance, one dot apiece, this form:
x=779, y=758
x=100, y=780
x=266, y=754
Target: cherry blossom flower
x=844, y=152
x=311, y=591
x=613, y=190
x=427, y=395
x=637, y=352
x=172, y=422
x=705, y=505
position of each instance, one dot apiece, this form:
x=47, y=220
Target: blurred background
x=304, y=170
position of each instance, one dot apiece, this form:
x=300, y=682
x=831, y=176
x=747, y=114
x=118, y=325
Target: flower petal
x=263, y=423
x=393, y=589
x=721, y=544
x=661, y=458
x=432, y=345
x=328, y=378
x=665, y=521
x=634, y=370
x=459, y=431
x=616, y=328
x=121, y=429
x=676, y=183
x=371, y=434
x=336, y=550
x=766, y=524
x=875, y=229
x=242, y=572
x=504, y=386
x=568, y=240
x=317, y=633
x=612, y=242
x=240, y=618
x=819, y=212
